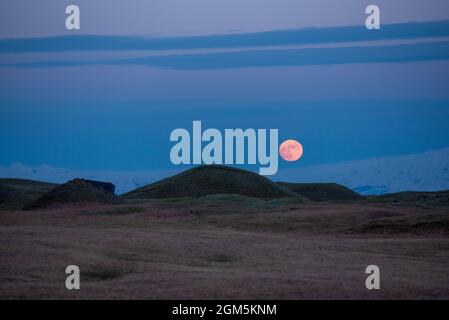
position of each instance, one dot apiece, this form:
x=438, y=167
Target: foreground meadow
x=225, y=247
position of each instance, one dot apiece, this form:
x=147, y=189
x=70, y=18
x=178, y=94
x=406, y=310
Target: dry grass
x=197, y=250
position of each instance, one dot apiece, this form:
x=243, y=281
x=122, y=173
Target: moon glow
x=290, y=150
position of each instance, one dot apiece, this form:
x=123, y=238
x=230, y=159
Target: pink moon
x=290, y=150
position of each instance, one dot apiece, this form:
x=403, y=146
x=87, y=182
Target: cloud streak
x=306, y=36
x=270, y=58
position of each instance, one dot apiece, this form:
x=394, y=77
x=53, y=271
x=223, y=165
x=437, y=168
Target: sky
x=106, y=97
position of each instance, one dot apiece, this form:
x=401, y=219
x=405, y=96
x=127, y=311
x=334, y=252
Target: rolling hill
x=206, y=182
x=213, y=179
x=18, y=193
x=322, y=191
x=76, y=191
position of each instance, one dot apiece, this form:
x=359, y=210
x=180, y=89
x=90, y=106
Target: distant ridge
x=212, y=179
x=211, y=182
x=427, y=171
x=323, y=191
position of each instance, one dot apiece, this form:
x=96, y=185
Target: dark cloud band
x=260, y=39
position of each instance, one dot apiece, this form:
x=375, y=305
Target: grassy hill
x=18, y=193
x=322, y=191
x=74, y=191
x=214, y=179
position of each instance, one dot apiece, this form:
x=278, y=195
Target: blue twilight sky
x=106, y=97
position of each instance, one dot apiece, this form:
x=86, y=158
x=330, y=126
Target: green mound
x=322, y=191
x=425, y=199
x=75, y=191
x=19, y=193
x=208, y=180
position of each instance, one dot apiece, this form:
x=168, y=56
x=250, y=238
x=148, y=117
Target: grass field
x=225, y=247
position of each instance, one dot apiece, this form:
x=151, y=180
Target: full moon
x=290, y=150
